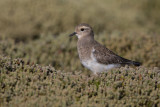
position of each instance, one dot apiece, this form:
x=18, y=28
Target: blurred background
x=37, y=31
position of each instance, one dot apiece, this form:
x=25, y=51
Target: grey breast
x=84, y=49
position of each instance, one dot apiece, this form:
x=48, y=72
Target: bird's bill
x=74, y=33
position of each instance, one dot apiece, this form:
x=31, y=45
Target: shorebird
x=95, y=56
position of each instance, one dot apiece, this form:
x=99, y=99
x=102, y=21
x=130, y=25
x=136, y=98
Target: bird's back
x=105, y=56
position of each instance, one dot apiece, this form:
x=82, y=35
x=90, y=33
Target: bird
x=93, y=55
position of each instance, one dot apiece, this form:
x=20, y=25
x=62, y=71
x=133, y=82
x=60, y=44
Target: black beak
x=74, y=33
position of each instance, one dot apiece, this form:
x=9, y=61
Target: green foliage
x=23, y=84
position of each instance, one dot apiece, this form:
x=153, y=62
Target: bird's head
x=83, y=30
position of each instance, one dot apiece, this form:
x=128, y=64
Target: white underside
x=96, y=67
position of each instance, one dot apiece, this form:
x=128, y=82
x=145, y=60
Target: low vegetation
x=24, y=84
x=39, y=64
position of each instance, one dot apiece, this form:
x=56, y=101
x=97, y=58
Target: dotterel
x=95, y=56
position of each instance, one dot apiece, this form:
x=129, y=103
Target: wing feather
x=105, y=56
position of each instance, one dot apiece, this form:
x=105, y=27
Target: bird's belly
x=96, y=67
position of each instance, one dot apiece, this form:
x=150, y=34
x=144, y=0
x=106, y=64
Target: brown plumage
x=105, y=56
x=95, y=56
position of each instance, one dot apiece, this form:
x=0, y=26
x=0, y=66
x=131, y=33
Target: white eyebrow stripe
x=84, y=27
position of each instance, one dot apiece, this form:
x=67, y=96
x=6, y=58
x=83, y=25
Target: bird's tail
x=136, y=63
x=130, y=62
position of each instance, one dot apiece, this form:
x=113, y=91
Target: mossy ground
x=39, y=64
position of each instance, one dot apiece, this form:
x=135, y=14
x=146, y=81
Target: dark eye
x=82, y=29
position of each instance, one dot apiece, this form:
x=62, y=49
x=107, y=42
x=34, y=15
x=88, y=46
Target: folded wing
x=105, y=56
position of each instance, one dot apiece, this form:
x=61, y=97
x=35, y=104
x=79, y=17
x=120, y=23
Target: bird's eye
x=82, y=29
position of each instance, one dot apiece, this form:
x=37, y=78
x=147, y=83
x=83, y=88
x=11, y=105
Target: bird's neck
x=84, y=41
x=84, y=46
